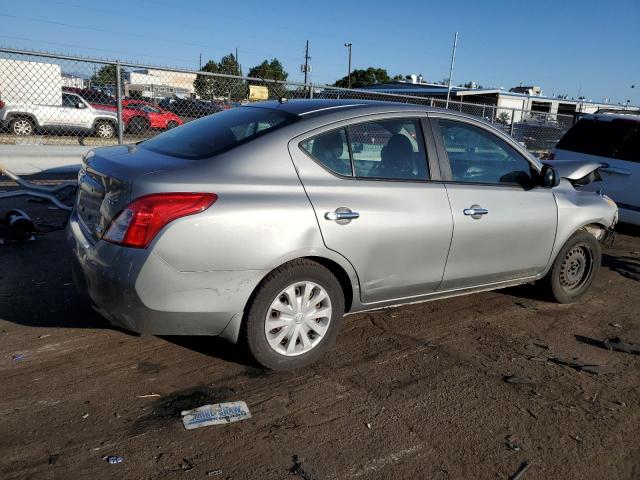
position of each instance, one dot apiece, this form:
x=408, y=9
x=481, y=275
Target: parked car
x=73, y=116
x=158, y=118
x=189, y=107
x=135, y=120
x=613, y=140
x=261, y=225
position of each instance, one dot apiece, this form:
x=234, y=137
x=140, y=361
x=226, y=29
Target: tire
x=105, y=130
x=139, y=125
x=574, y=268
x=22, y=126
x=171, y=124
x=302, y=340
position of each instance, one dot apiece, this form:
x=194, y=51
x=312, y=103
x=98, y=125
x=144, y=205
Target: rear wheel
x=105, y=130
x=22, y=126
x=574, y=268
x=139, y=125
x=171, y=124
x=294, y=316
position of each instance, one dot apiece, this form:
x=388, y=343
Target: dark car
x=189, y=107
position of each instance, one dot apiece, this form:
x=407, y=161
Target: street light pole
x=348, y=45
x=453, y=59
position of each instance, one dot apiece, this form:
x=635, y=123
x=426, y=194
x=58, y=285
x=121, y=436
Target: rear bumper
x=139, y=291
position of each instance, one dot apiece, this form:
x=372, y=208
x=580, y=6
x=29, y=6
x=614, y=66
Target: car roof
x=609, y=116
x=317, y=107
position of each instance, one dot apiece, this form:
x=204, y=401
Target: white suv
x=73, y=117
x=612, y=139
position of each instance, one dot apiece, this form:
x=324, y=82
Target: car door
x=74, y=115
x=504, y=225
x=369, y=184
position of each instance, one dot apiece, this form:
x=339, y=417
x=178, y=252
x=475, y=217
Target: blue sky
x=566, y=47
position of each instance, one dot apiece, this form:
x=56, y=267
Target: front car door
x=369, y=184
x=504, y=225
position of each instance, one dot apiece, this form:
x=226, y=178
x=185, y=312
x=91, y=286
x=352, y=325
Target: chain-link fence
x=63, y=99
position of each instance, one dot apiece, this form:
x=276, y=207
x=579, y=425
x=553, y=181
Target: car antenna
x=272, y=89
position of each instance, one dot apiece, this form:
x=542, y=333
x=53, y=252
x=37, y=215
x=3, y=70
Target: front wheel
x=294, y=315
x=574, y=268
x=105, y=130
x=171, y=124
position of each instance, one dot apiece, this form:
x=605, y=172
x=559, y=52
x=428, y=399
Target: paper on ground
x=215, y=414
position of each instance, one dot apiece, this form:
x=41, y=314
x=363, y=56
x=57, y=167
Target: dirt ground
x=411, y=392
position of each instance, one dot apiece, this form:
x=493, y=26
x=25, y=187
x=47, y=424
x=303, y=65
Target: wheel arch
x=17, y=115
x=344, y=273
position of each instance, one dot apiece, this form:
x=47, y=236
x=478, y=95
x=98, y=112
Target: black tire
x=172, y=124
x=22, y=126
x=139, y=125
x=254, y=335
x=574, y=268
x=104, y=129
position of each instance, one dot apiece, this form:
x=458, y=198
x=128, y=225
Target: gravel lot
x=410, y=392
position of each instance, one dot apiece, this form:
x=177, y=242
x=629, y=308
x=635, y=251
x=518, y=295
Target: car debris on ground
x=113, y=459
x=215, y=414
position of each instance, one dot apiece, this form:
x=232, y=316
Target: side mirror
x=81, y=105
x=549, y=177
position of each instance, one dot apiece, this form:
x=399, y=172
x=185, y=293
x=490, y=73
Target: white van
x=612, y=139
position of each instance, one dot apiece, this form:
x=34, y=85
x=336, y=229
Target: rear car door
x=369, y=184
x=504, y=226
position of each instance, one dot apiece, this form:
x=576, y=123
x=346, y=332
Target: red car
x=158, y=117
x=135, y=120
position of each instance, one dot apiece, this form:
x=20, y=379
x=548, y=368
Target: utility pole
x=348, y=45
x=200, y=62
x=453, y=60
x=306, y=61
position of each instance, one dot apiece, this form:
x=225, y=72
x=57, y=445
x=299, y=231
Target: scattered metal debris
x=615, y=325
x=215, y=414
x=186, y=464
x=85, y=416
x=53, y=459
x=617, y=344
x=521, y=471
x=518, y=380
x=577, y=438
x=17, y=227
x=150, y=395
x=512, y=443
x=113, y=459
x=368, y=425
x=17, y=357
x=612, y=343
x=298, y=469
x=214, y=473
x=37, y=191
x=577, y=365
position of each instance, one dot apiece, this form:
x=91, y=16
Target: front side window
x=384, y=149
x=70, y=101
x=478, y=156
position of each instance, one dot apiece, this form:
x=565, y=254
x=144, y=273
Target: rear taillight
x=138, y=224
x=2, y=104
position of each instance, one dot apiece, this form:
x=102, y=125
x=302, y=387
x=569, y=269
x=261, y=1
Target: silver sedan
x=265, y=224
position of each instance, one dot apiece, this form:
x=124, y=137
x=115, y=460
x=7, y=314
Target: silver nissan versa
x=265, y=224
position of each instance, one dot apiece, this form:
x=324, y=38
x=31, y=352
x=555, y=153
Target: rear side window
x=385, y=149
x=216, y=133
x=616, y=138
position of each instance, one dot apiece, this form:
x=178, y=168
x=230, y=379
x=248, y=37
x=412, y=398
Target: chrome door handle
x=475, y=211
x=341, y=213
x=617, y=171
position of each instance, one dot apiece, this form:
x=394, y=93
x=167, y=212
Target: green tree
x=105, y=76
x=231, y=87
x=360, y=78
x=205, y=85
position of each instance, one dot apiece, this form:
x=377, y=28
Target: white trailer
x=35, y=83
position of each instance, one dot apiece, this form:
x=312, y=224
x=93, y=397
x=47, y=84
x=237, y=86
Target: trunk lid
x=106, y=180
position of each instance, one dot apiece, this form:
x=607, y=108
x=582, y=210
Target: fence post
x=311, y=90
x=119, y=102
x=513, y=115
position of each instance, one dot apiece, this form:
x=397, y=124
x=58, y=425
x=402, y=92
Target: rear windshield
x=219, y=132
x=615, y=138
